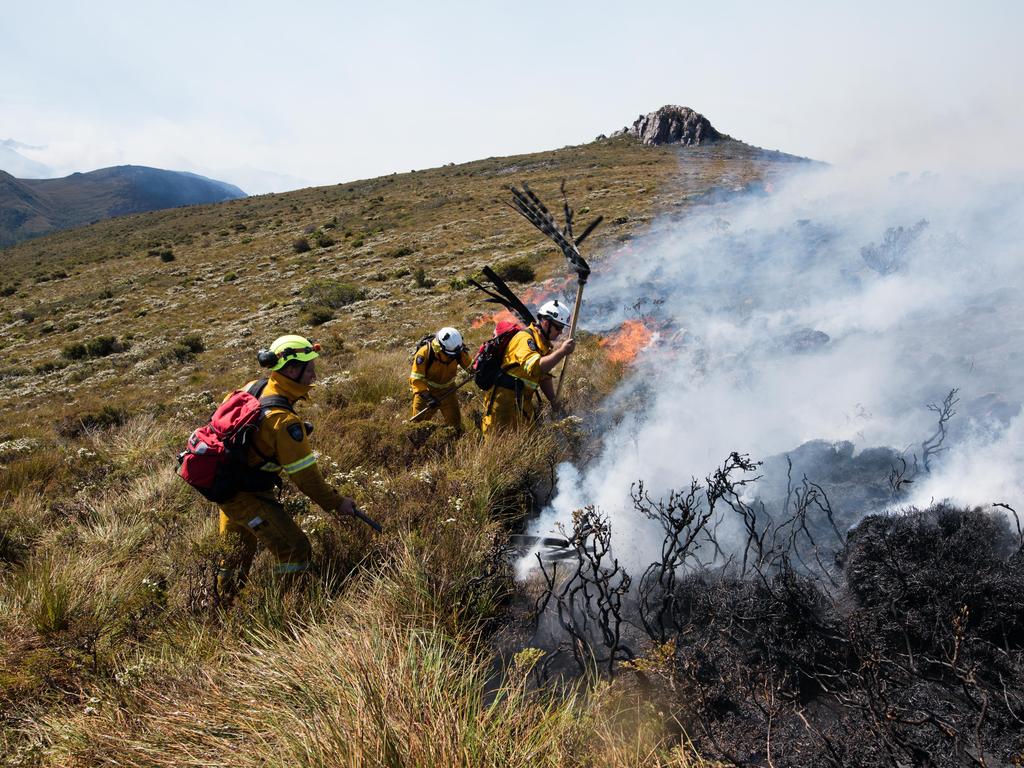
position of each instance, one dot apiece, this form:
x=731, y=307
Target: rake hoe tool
x=450, y=392
x=548, y=548
x=367, y=519
x=527, y=204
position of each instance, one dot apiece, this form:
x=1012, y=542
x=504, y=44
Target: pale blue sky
x=325, y=92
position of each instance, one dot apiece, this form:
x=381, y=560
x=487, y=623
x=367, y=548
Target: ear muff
x=266, y=358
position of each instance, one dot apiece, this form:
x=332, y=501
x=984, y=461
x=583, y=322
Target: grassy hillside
x=121, y=338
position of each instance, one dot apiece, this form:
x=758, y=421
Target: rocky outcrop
x=673, y=125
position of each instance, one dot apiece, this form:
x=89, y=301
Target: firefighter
x=281, y=443
x=434, y=367
x=526, y=370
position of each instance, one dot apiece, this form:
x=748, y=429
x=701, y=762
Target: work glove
x=347, y=508
x=432, y=402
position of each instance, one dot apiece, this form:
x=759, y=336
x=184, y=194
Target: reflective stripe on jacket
x=433, y=369
x=281, y=443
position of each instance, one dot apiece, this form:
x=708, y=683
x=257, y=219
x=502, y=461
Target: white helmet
x=450, y=340
x=555, y=311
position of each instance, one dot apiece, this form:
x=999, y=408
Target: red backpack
x=215, y=460
x=487, y=367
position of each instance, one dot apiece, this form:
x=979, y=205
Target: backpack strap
x=270, y=401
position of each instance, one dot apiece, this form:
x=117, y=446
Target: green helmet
x=287, y=349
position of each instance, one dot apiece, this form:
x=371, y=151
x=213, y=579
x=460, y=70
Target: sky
x=274, y=96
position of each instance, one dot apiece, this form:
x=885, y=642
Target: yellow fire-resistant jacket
x=523, y=353
x=281, y=443
x=433, y=371
x=513, y=400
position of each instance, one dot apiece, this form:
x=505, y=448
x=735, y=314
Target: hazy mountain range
x=34, y=207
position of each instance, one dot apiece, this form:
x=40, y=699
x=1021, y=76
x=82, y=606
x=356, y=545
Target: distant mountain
x=33, y=207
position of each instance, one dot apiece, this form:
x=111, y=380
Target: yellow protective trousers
x=252, y=518
x=507, y=410
x=449, y=408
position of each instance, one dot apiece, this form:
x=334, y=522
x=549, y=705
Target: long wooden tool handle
x=459, y=386
x=572, y=333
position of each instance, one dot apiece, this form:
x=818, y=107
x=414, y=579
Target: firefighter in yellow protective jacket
x=281, y=443
x=526, y=370
x=434, y=367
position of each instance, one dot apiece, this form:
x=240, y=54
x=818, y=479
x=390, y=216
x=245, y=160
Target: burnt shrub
x=914, y=573
x=300, y=245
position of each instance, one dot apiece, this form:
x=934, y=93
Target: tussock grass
x=117, y=648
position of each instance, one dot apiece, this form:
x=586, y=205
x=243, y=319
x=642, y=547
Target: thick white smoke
x=834, y=308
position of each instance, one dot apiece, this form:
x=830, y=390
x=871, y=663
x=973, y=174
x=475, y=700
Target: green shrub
x=357, y=243
x=316, y=314
x=331, y=293
x=102, y=346
x=74, y=351
x=323, y=240
x=230, y=277
x=186, y=348
x=516, y=271
x=9, y=290
x=400, y=252
x=167, y=256
x=108, y=416
x=401, y=272
x=420, y=278
x=48, y=366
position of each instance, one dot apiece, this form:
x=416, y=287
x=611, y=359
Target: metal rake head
x=526, y=203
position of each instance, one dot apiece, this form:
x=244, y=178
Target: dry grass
x=116, y=649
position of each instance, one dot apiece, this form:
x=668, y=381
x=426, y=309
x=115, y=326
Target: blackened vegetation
x=588, y=600
x=890, y=255
x=900, y=643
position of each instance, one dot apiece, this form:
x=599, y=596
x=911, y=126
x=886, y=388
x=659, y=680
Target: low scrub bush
x=300, y=245
x=316, y=314
x=516, y=271
x=332, y=294
x=101, y=346
x=76, y=424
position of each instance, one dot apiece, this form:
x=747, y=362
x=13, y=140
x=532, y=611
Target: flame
x=494, y=319
x=626, y=343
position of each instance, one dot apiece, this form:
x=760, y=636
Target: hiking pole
x=458, y=386
x=356, y=512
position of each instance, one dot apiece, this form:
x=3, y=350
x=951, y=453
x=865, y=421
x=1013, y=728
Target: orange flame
x=494, y=319
x=626, y=343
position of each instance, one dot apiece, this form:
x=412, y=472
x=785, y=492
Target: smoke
x=833, y=309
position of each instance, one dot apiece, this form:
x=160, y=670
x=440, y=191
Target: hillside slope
x=127, y=332
x=236, y=276
x=33, y=207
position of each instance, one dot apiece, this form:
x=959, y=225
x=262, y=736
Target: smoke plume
x=816, y=321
